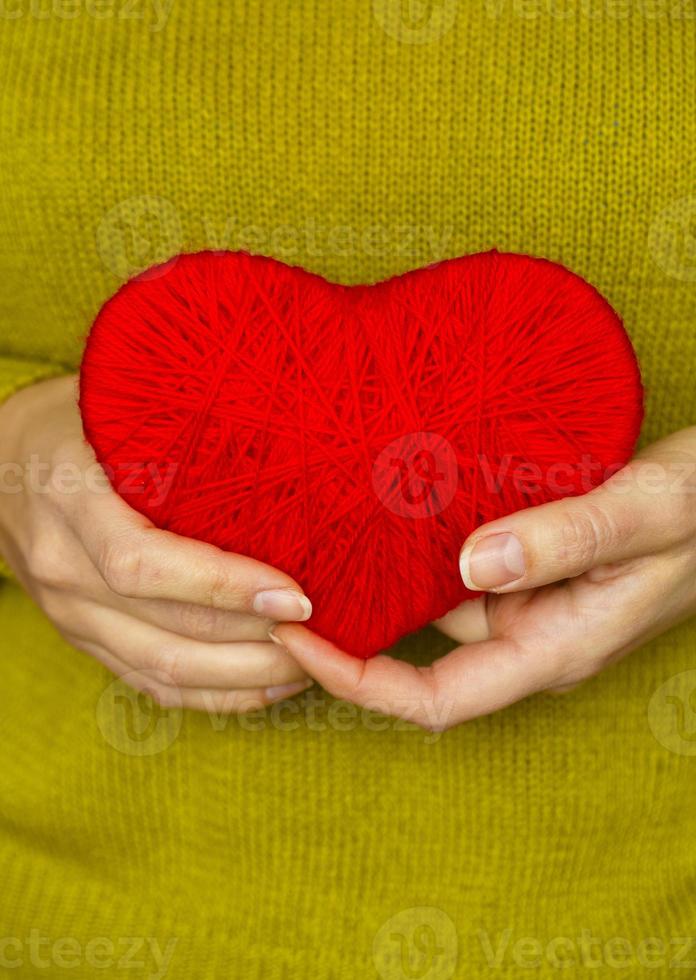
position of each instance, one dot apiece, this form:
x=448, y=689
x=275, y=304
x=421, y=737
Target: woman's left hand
x=571, y=586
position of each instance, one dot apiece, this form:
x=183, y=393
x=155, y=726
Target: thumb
x=631, y=515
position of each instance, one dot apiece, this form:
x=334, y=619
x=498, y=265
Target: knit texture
x=358, y=140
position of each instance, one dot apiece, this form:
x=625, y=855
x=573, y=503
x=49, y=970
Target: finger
x=632, y=515
x=156, y=684
x=137, y=560
x=187, y=662
x=188, y=619
x=470, y=681
x=237, y=702
x=468, y=623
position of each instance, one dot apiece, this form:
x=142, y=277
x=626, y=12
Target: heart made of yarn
x=354, y=436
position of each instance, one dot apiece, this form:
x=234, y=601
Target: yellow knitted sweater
x=358, y=139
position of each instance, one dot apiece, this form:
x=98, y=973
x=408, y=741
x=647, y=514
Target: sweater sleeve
x=16, y=373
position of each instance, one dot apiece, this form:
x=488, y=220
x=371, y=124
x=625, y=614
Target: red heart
x=352, y=436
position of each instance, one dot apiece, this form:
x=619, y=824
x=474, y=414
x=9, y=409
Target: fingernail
x=283, y=604
x=281, y=691
x=494, y=561
x=276, y=639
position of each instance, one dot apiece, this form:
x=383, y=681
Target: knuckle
x=199, y=621
x=46, y=565
x=169, y=666
x=221, y=592
x=436, y=712
x=586, y=533
x=358, y=689
x=122, y=567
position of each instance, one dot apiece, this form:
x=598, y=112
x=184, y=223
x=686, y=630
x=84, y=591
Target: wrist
x=11, y=472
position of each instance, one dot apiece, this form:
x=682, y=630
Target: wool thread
x=354, y=436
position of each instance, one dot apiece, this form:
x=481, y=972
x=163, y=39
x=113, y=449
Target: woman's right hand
x=180, y=619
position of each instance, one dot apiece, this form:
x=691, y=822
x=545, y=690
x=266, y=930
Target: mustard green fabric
x=359, y=139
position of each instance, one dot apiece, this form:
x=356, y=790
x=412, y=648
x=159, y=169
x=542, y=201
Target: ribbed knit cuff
x=17, y=373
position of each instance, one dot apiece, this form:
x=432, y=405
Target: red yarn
x=354, y=436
